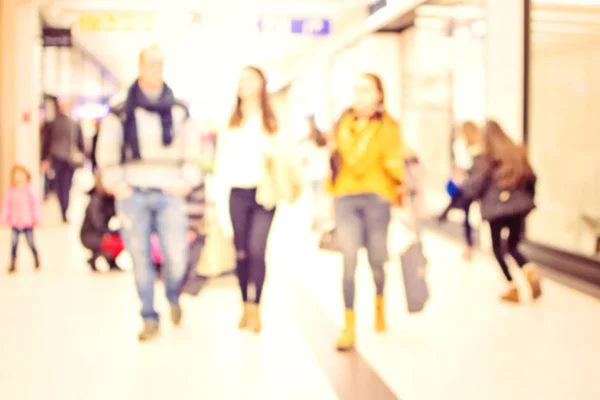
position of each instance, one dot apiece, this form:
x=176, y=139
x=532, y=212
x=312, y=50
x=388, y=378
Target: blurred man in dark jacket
x=63, y=150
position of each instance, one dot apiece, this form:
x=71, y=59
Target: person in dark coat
x=63, y=150
x=99, y=212
x=503, y=181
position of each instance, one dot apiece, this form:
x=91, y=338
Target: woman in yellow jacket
x=367, y=170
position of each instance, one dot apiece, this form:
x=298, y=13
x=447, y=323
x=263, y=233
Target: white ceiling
x=202, y=60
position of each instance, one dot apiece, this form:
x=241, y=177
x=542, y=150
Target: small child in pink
x=22, y=211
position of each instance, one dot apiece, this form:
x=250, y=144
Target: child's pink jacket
x=22, y=207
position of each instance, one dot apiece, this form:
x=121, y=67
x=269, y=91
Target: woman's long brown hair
x=269, y=120
x=511, y=167
x=378, y=82
x=470, y=133
x=315, y=133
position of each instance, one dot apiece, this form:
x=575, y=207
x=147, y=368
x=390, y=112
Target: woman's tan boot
x=380, y=325
x=254, y=322
x=533, y=277
x=511, y=295
x=346, y=340
x=245, y=317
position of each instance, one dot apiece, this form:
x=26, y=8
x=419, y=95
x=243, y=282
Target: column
x=7, y=89
x=20, y=87
x=505, y=64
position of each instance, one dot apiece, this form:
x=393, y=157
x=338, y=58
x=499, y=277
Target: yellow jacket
x=370, y=157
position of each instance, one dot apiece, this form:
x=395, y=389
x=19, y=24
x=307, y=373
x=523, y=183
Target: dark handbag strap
x=416, y=223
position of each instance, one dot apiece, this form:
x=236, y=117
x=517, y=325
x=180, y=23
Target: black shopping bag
x=414, y=268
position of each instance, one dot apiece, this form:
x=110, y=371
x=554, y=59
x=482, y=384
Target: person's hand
x=44, y=166
x=121, y=191
x=191, y=236
x=459, y=176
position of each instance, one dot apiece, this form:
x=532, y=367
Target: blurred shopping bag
x=328, y=241
x=414, y=268
x=155, y=250
x=112, y=245
x=218, y=255
x=193, y=282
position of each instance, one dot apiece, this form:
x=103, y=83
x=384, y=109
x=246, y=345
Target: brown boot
x=380, y=325
x=36, y=259
x=245, y=317
x=511, y=295
x=348, y=337
x=254, y=322
x=533, y=277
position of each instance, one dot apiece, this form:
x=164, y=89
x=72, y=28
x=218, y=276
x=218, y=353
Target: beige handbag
x=267, y=192
x=218, y=255
x=282, y=182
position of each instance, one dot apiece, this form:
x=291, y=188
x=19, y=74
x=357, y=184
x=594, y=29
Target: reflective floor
x=68, y=334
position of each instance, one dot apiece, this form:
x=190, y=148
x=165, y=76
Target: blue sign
x=295, y=26
x=311, y=26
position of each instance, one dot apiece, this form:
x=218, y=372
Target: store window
x=564, y=117
x=443, y=78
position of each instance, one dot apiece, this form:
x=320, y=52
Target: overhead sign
x=116, y=21
x=376, y=5
x=56, y=37
x=295, y=26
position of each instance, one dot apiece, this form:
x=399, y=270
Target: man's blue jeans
x=140, y=214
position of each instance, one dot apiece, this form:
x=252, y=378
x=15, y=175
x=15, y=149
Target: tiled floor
x=68, y=335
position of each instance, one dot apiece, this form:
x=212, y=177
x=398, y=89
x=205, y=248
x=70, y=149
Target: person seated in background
x=95, y=229
x=466, y=148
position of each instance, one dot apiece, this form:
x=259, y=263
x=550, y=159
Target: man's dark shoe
x=13, y=266
x=149, y=332
x=176, y=314
x=92, y=263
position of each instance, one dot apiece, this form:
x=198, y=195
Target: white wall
x=377, y=53
x=504, y=62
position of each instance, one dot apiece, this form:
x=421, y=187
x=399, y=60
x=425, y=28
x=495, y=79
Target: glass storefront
x=443, y=76
x=564, y=93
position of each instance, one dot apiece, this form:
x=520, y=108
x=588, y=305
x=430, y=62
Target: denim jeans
x=16, y=233
x=140, y=214
x=251, y=227
x=362, y=220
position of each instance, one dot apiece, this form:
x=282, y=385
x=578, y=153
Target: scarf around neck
x=162, y=106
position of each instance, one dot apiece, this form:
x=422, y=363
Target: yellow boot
x=254, y=322
x=346, y=340
x=245, y=317
x=380, y=325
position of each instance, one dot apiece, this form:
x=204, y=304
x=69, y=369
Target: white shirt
x=239, y=163
x=315, y=160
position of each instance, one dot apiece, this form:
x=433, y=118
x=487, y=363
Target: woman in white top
x=245, y=152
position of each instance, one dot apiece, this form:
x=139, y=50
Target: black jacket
x=495, y=202
x=98, y=213
x=61, y=137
